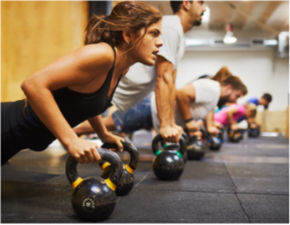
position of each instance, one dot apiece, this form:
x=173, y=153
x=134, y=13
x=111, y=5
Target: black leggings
x=9, y=146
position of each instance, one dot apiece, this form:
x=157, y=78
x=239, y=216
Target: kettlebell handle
x=111, y=157
x=158, y=139
x=185, y=136
x=134, y=154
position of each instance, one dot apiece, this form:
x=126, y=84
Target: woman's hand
x=84, y=151
x=111, y=138
x=234, y=126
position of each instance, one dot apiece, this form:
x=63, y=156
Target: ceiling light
x=229, y=37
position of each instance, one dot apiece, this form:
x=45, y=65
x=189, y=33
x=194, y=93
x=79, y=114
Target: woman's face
x=145, y=51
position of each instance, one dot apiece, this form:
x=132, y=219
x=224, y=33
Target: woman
x=230, y=114
x=80, y=85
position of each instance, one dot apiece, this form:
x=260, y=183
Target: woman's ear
x=127, y=36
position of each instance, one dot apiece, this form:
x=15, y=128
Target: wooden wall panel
x=35, y=33
x=287, y=123
x=274, y=121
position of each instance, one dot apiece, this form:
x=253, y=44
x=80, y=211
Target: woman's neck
x=123, y=59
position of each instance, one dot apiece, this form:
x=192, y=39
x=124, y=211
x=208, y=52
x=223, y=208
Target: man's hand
x=179, y=128
x=169, y=134
x=253, y=125
x=213, y=130
x=192, y=127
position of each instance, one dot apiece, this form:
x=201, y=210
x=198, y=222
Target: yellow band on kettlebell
x=129, y=169
x=105, y=165
x=110, y=184
x=77, y=182
x=231, y=134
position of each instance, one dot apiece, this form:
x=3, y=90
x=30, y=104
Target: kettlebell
x=204, y=133
x=94, y=199
x=196, y=148
x=214, y=142
x=234, y=135
x=168, y=164
x=174, y=146
x=221, y=134
x=126, y=182
x=242, y=132
x=254, y=132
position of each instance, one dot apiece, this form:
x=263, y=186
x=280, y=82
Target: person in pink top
x=229, y=115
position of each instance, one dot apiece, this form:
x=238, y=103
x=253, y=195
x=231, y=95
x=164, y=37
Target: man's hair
x=267, y=96
x=175, y=5
x=236, y=83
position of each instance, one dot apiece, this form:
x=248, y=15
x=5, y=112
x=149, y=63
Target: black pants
x=9, y=146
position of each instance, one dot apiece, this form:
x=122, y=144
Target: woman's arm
x=230, y=117
x=106, y=136
x=75, y=70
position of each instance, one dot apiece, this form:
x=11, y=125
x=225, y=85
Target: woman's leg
x=9, y=146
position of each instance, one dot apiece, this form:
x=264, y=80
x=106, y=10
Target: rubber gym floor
x=246, y=182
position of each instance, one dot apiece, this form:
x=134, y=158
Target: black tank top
x=76, y=107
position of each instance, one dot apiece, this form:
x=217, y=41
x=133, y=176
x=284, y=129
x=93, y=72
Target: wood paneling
x=287, y=123
x=33, y=34
x=274, y=121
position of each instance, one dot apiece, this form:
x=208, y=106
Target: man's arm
x=172, y=105
x=184, y=96
x=210, y=126
x=163, y=95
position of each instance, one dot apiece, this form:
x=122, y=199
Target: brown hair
x=134, y=15
x=236, y=83
x=252, y=108
x=222, y=74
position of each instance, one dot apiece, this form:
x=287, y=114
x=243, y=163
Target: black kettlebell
x=126, y=182
x=196, y=148
x=234, y=135
x=221, y=135
x=168, y=164
x=174, y=146
x=204, y=133
x=254, y=132
x=94, y=199
x=214, y=142
x=242, y=132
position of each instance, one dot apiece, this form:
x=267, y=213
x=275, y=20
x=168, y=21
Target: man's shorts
x=136, y=118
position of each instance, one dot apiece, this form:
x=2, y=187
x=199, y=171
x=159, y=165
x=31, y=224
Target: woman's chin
x=150, y=63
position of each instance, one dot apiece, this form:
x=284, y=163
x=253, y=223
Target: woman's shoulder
x=100, y=52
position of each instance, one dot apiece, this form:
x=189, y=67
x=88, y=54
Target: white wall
x=260, y=70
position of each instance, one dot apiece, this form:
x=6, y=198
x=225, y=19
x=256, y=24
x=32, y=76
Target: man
x=265, y=100
x=196, y=100
x=141, y=80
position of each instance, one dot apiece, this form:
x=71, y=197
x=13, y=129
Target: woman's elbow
x=27, y=86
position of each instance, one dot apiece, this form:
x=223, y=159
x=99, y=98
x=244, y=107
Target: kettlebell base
x=195, y=155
